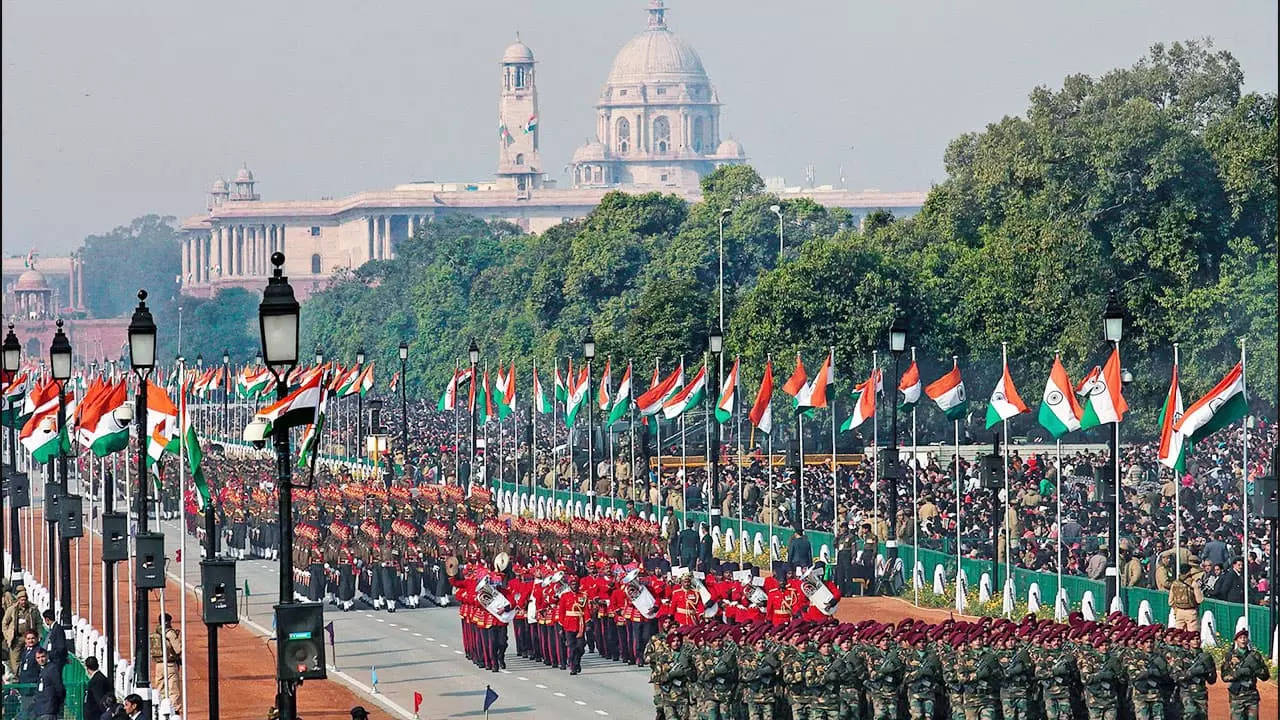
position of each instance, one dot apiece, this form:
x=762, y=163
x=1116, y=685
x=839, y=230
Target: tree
x=143, y=254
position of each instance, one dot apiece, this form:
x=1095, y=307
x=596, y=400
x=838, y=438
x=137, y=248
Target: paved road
x=420, y=650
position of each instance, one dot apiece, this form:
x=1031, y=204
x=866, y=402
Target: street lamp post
x=1113, y=331
x=278, y=324
x=142, y=356
x=359, y=403
x=60, y=361
x=12, y=359
x=716, y=341
x=897, y=343
x=589, y=352
x=473, y=354
x=404, y=403
x=777, y=210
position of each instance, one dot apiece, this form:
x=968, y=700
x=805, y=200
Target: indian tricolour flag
x=812, y=394
x=576, y=397
x=1005, y=401
x=40, y=435
x=606, y=386
x=948, y=393
x=99, y=429
x=190, y=442
x=724, y=406
x=346, y=382
x=296, y=409
x=761, y=411
x=1220, y=407
x=864, y=404
x=1172, y=451
x=310, y=446
x=621, y=398
x=688, y=397
x=910, y=386
x=531, y=125
x=540, y=401
x=651, y=401
x=1059, y=409
x=13, y=396
x=506, y=392
x=365, y=383
x=1104, y=402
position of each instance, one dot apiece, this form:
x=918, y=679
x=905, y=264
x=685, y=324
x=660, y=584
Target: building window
x=662, y=177
x=598, y=179
x=624, y=134
x=697, y=134
x=315, y=231
x=506, y=78
x=519, y=158
x=662, y=134
x=662, y=91
x=622, y=92
x=315, y=264
x=521, y=76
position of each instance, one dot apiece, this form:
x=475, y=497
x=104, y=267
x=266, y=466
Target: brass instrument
x=817, y=592
x=492, y=599
x=639, y=595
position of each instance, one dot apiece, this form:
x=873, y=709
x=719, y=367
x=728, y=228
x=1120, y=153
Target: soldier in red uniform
x=571, y=615
x=686, y=603
x=518, y=593
x=785, y=602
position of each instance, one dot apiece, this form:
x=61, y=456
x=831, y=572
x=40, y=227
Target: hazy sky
x=117, y=109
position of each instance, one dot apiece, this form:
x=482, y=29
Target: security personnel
x=674, y=672
x=1057, y=674
x=18, y=619
x=1148, y=673
x=853, y=677
x=922, y=676
x=1100, y=675
x=757, y=672
x=1193, y=671
x=1017, y=684
x=166, y=653
x=884, y=676
x=823, y=678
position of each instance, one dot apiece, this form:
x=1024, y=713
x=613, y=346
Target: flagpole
x=533, y=435
x=92, y=460
x=1008, y=540
x=1244, y=482
x=555, y=470
x=684, y=467
x=501, y=446
x=1116, y=602
x=955, y=361
x=915, y=490
x=657, y=424
x=591, y=447
x=737, y=397
x=133, y=552
x=631, y=424
x=182, y=529
x=875, y=452
x=799, y=521
x=1057, y=616
x=768, y=472
x=1177, y=504
x=835, y=484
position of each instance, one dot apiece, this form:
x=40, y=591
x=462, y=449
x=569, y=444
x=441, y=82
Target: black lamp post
x=1113, y=331
x=404, y=404
x=142, y=356
x=226, y=394
x=589, y=352
x=359, y=404
x=716, y=341
x=12, y=359
x=897, y=343
x=473, y=354
x=278, y=324
x=60, y=361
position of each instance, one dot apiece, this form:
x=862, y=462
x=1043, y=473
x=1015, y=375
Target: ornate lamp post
x=1113, y=331
x=589, y=352
x=897, y=343
x=777, y=210
x=278, y=324
x=473, y=354
x=404, y=403
x=142, y=356
x=12, y=360
x=716, y=342
x=60, y=362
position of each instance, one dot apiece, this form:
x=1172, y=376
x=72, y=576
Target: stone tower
x=519, y=165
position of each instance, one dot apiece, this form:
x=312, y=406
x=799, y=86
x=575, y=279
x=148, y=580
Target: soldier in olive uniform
x=1242, y=668
x=1017, y=683
x=1057, y=674
x=757, y=671
x=1148, y=673
x=822, y=677
x=1193, y=671
x=1100, y=675
x=922, y=676
x=949, y=653
x=673, y=671
x=797, y=692
x=982, y=681
x=654, y=653
x=717, y=673
x=884, y=678
x=853, y=677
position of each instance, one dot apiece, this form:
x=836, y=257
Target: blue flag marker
x=329, y=629
x=490, y=697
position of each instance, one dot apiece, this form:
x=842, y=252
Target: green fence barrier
x=18, y=699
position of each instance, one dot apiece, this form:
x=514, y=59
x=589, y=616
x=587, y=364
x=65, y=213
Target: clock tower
x=519, y=164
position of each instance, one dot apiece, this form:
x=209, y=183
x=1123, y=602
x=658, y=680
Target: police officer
x=166, y=653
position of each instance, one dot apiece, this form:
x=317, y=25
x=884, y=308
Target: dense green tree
x=228, y=321
x=143, y=254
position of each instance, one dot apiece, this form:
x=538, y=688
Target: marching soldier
x=884, y=676
x=1100, y=675
x=1148, y=673
x=1018, y=681
x=1057, y=674
x=1242, y=668
x=822, y=677
x=922, y=676
x=757, y=671
x=1193, y=671
x=795, y=689
x=673, y=671
x=982, y=680
x=853, y=677
x=571, y=615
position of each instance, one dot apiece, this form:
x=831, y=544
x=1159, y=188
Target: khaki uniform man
x=1185, y=597
x=166, y=653
x=18, y=619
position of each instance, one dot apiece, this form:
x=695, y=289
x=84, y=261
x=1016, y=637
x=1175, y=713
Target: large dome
x=31, y=280
x=656, y=55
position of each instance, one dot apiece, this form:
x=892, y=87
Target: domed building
x=658, y=117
